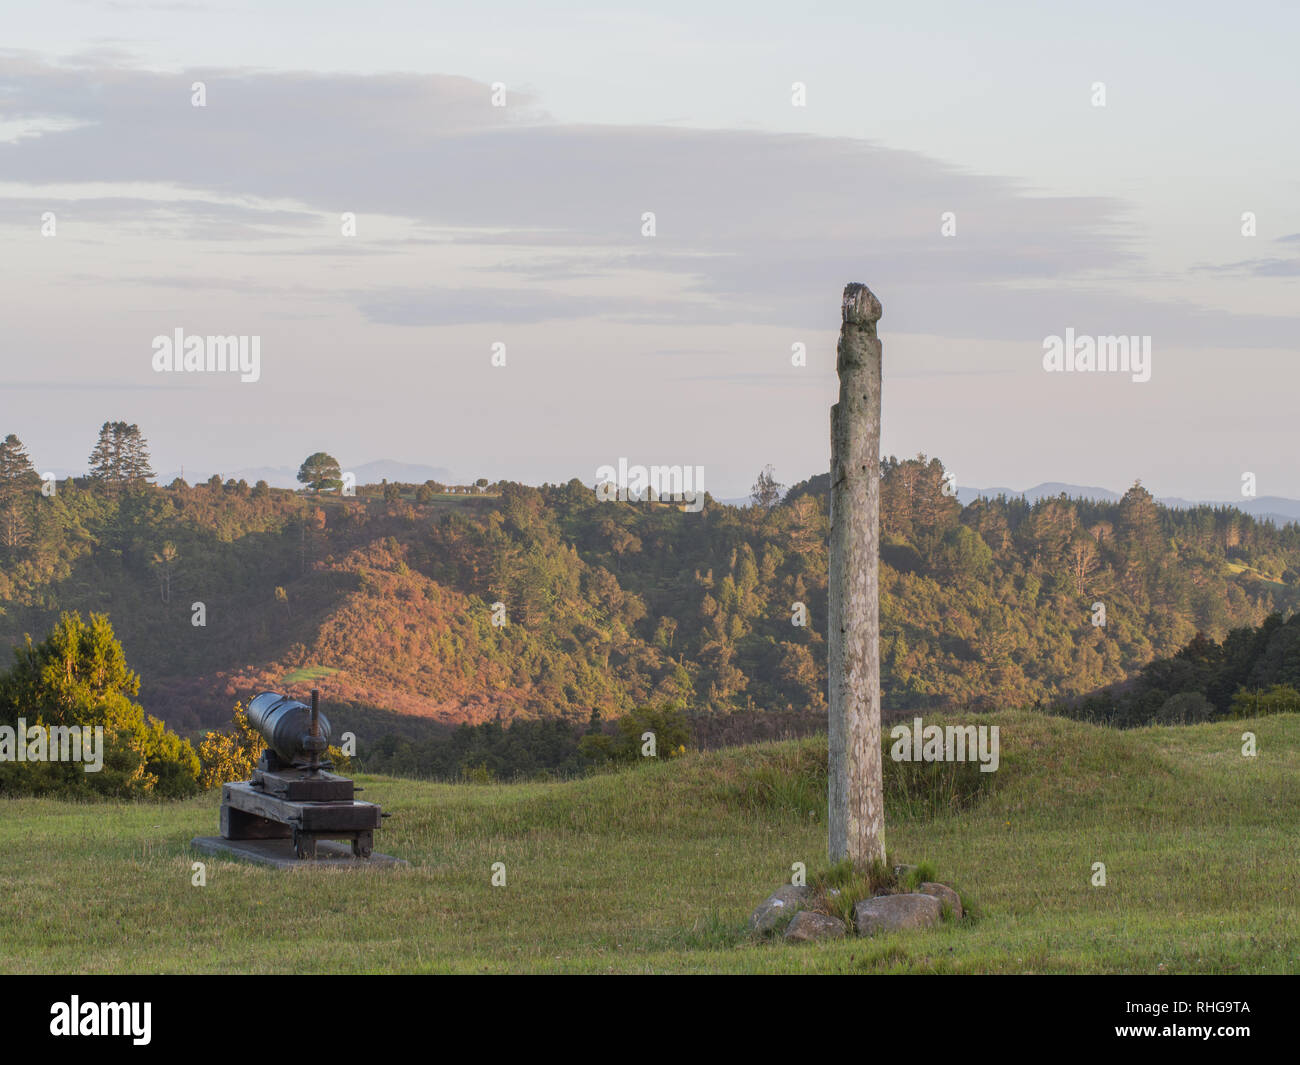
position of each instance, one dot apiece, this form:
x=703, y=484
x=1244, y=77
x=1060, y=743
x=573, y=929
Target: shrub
x=672, y=732
x=229, y=756
x=1185, y=708
x=1278, y=699
x=78, y=676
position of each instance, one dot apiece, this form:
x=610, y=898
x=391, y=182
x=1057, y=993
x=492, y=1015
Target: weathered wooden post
x=857, y=804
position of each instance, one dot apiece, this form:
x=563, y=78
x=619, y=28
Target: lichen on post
x=856, y=796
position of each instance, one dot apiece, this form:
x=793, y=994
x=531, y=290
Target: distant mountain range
x=1264, y=508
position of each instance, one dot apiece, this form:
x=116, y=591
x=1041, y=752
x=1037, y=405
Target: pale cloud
x=750, y=225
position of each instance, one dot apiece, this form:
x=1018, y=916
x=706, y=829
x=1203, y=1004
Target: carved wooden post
x=857, y=806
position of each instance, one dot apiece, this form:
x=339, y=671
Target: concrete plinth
x=280, y=854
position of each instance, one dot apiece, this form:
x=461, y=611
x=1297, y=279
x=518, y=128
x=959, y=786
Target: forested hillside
x=386, y=600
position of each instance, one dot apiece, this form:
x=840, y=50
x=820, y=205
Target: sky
x=998, y=174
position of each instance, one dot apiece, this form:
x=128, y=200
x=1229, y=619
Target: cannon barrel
x=285, y=724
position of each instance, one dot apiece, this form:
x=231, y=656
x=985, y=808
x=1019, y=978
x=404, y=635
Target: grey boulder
x=787, y=899
x=943, y=893
x=809, y=925
x=886, y=913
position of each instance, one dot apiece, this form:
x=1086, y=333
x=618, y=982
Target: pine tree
x=121, y=457
x=106, y=458
x=17, y=479
x=136, y=470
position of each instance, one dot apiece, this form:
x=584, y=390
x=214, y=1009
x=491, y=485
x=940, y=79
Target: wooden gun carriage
x=292, y=795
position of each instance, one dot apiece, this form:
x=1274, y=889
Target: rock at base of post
x=785, y=900
x=888, y=913
x=809, y=925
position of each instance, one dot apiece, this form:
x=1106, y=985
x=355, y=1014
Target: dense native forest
x=388, y=600
x=1252, y=671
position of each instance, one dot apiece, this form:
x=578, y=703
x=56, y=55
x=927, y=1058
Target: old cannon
x=295, y=733
x=292, y=794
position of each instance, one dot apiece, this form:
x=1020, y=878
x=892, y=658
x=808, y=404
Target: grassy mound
x=656, y=868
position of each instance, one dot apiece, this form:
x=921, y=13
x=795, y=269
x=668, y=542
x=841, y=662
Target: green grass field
x=308, y=674
x=655, y=869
